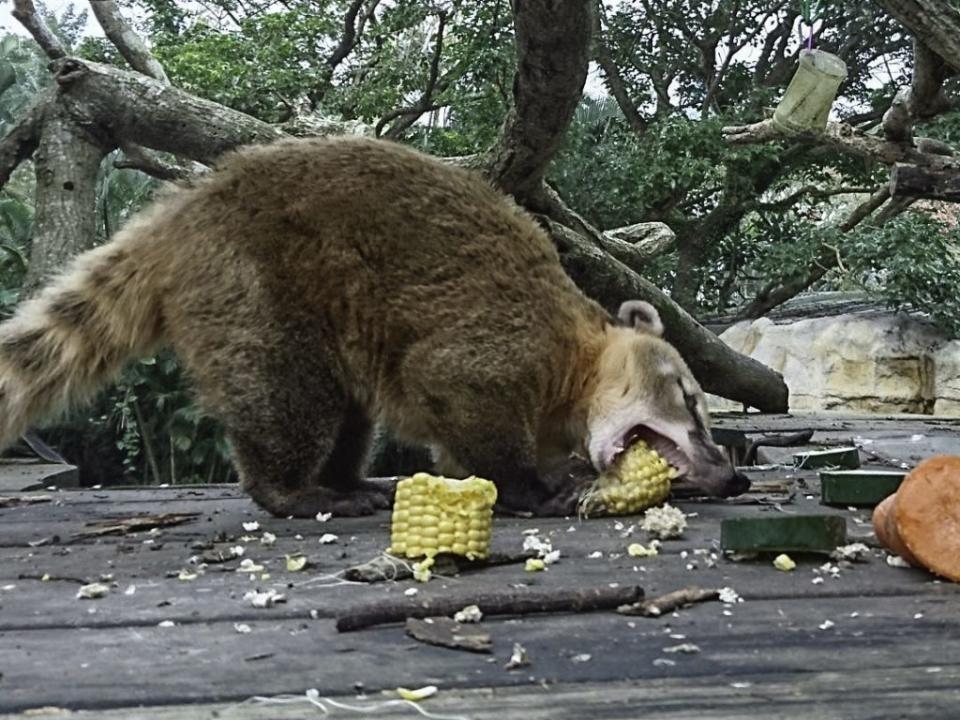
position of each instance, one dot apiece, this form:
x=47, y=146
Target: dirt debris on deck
x=177, y=627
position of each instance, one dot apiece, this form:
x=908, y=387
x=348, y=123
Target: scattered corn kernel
x=639, y=479
x=418, y=694
x=434, y=514
x=784, y=562
x=664, y=522
x=421, y=570
x=534, y=565
x=296, y=563
x=638, y=550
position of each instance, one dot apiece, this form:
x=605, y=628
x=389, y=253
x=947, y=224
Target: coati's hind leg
x=300, y=443
x=299, y=474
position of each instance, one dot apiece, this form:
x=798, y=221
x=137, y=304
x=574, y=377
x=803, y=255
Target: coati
x=315, y=287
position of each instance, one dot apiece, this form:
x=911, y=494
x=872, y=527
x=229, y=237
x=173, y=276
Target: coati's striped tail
x=75, y=336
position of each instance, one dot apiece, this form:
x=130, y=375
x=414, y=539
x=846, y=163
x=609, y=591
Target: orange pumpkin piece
x=925, y=514
x=885, y=527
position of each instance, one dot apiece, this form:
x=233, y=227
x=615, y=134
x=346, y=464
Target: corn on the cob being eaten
x=639, y=479
x=440, y=515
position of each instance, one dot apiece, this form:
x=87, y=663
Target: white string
x=313, y=698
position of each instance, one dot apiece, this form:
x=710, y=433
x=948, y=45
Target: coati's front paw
x=361, y=498
x=563, y=504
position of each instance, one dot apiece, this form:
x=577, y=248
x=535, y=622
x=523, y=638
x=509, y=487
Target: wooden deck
x=874, y=641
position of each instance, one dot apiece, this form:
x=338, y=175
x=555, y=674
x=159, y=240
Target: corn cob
x=438, y=515
x=639, y=479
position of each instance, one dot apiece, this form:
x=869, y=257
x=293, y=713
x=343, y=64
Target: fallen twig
x=655, y=607
x=387, y=567
x=16, y=501
x=138, y=523
x=51, y=578
x=513, y=602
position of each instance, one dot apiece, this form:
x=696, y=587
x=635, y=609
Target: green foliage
x=913, y=261
x=161, y=433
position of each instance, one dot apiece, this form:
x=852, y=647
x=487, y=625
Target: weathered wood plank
x=865, y=694
x=147, y=561
x=21, y=475
x=207, y=662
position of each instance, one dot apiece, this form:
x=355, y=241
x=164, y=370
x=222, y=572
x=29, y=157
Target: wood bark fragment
x=446, y=632
x=512, y=602
x=655, y=607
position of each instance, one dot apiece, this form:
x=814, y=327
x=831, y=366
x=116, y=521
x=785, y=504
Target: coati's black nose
x=737, y=485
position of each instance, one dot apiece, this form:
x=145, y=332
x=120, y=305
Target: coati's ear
x=641, y=316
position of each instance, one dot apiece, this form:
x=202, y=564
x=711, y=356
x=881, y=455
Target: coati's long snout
x=647, y=392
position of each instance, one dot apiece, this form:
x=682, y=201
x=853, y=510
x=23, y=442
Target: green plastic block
x=858, y=488
x=784, y=533
x=844, y=457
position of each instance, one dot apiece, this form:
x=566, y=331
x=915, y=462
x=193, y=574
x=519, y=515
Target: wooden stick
x=655, y=607
x=513, y=602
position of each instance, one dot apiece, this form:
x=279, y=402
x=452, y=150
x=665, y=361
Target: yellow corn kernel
x=639, y=479
x=434, y=514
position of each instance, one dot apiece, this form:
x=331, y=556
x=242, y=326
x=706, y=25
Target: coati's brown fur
x=313, y=288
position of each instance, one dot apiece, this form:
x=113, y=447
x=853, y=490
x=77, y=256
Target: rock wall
x=865, y=362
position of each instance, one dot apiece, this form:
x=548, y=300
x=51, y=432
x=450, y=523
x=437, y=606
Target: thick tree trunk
x=66, y=162
x=686, y=282
x=553, y=50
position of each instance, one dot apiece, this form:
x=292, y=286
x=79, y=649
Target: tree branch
x=128, y=42
x=134, y=108
x=411, y=114
x=553, y=50
x=137, y=158
x=613, y=79
x=351, y=30
x=26, y=12
x=936, y=22
x=845, y=138
x=21, y=141
x=774, y=294
x=810, y=191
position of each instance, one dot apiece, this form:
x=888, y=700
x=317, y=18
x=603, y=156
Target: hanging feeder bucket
x=810, y=95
